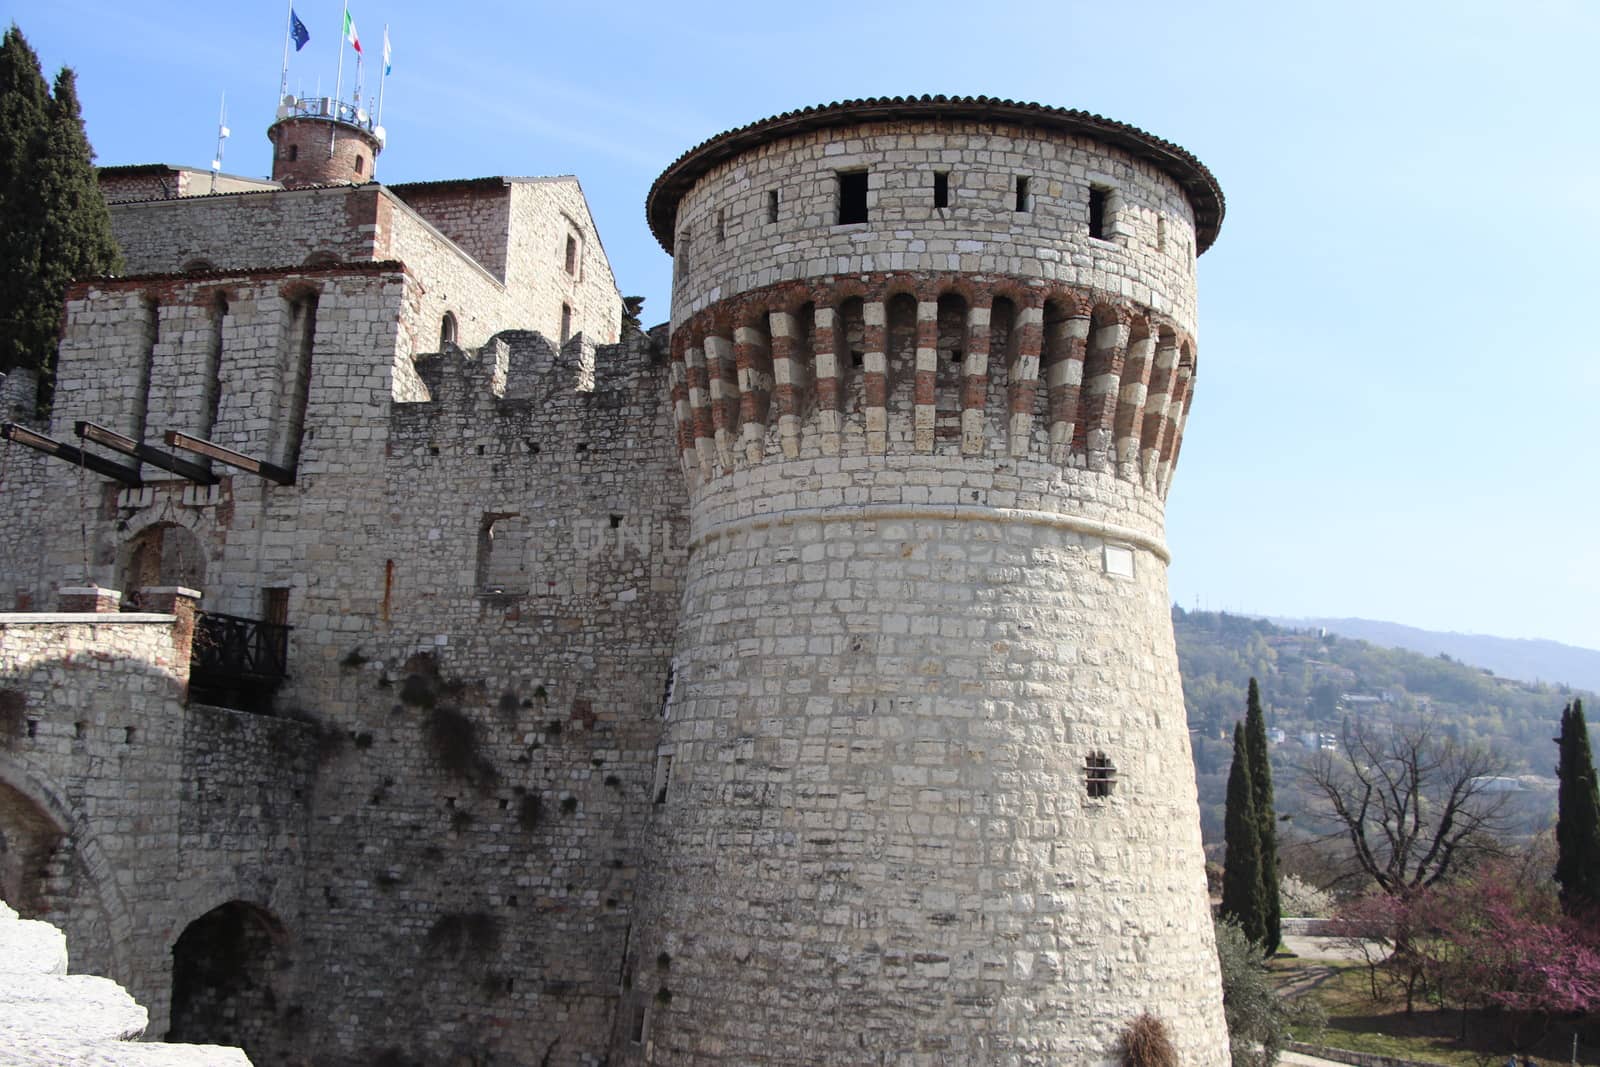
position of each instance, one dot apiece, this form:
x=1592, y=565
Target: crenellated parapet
x=925, y=363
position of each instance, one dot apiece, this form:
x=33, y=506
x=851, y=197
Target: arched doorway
x=45, y=874
x=28, y=842
x=163, y=554
x=230, y=972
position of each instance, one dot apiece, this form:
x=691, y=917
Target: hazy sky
x=1394, y=415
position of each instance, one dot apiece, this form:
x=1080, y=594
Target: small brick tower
x=323, y=141
x=926, y=793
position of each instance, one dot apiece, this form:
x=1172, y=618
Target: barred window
x=1099, y=775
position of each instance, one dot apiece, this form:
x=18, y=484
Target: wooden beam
x=202, y=447
x=128, y=476
x=117, y=442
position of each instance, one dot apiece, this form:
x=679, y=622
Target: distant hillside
x=1312, y=683
x=1531, y=661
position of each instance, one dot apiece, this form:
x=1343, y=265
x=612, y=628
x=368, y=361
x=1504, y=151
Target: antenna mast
x=222, y=137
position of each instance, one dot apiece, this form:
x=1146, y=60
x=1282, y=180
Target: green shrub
x=1258, y=1020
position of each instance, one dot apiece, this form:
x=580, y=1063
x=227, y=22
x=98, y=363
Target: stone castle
x=413, y=662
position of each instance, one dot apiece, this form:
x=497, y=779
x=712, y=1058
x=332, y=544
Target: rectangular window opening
x=566, y=323
x=275, y=606
x=572, y=255
x=1023, y=203
x=1099, y=200
x=772, y=206
x=941, y=189
x=852, y=196
x=722, y=225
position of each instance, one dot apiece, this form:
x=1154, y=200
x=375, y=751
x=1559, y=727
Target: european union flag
x=298, y=31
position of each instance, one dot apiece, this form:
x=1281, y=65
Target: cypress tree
x=24, y=115
x=1241, y=876
x=1578, y=815
x=1255, y=738
x=54, y=225
x=75, y=229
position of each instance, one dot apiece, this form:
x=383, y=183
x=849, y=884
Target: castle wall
x=247, y=231
x=499, y=690
x=24, y=476
x=1148, y=257
x=445, y=281
x=475, y=214
x=881, y=737
x=144, y=813
x=483, y=588
x=545, y=212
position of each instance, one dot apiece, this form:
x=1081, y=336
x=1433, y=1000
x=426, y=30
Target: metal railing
x=325, y=107
x=229, y=650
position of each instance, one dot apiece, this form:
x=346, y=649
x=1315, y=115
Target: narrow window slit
x=1099, y=200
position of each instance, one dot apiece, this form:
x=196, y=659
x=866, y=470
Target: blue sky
x=1394, y=409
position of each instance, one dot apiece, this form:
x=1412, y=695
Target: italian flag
x=350, y=32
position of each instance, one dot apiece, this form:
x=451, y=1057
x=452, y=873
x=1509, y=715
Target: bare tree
x=1409, y=803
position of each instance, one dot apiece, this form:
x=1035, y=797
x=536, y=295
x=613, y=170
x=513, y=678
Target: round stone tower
x=926, y=794
x=323, y=141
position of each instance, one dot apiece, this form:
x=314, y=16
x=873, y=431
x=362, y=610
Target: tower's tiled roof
x=1205, y=195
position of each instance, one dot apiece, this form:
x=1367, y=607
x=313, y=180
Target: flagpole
x=338, y=86
x=383, y=79
x=283, y=83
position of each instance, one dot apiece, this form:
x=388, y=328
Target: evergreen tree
x=1577, y=815
x=1241, y=875
x=54, y=225
x=1255, y=739
x=75, y=230
x=24, y=115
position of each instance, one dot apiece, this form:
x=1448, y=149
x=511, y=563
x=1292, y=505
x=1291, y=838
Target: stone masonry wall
x=249, y=528
x=926, y=772
x=447, y=281
x=544, y=213
x=475, y=214
x=499, y=689
x=23, y=478
x=247, y=230
x=1149, y=257
x=483, y=589
x=880, y=739
x=150, y=813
